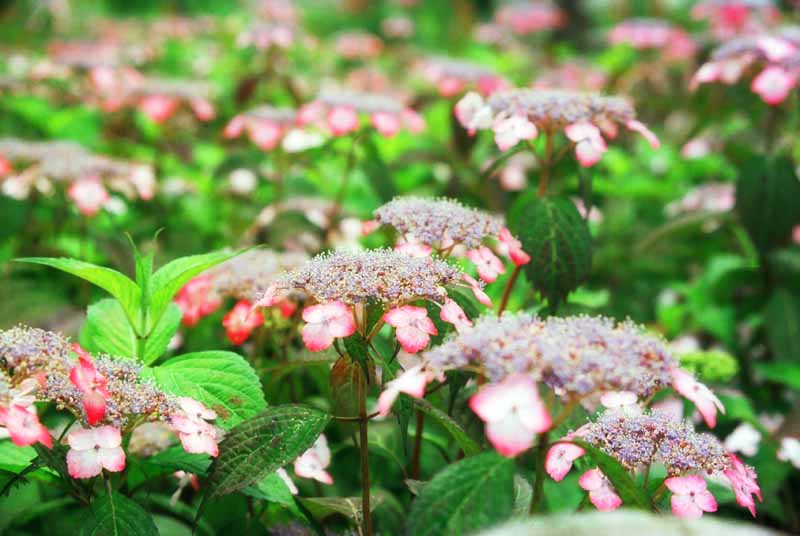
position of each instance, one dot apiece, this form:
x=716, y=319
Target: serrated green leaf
x=115, y=283
x=465, y=497
x=766, y=200
x=632, y=495
x=464, y=442
x=271, y=488
x=350, y=507
x=553, y=233
x=223, y=381
x=169, y=279
x=108, y=330
x=261, y=445
x=116, y=515
x=782, y=322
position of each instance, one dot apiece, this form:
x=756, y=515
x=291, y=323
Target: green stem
x=546, y=163
x=363, y=445
x=538, y=489
x=417, y=445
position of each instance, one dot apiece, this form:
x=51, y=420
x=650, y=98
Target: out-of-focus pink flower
x=452, y=313
x=589, y=143
x=92, y=384
x=480, y=295
x=601, y=492
x=325, y=322
x=618, y=399
x=489, y=266
x=707, y=402
x=5, y=167
x=197, y=436
x=473, y=113
x=743, y=481
x=514, y=248
x=558, y=461
x=241, y=321
x=203, y=109
x=524, y=18
x=313, y=462
x=23, y=427
x=342, y=120
x=355, y=45
x=647, y=134
x=773, y=84
x=413, y=327
x=197, y=299
x=513, y=413
x=89, y=195
x=690, y=498
x=414, y=249
x=94, y=449
x=158, y=108
x=385, y=123
x=411, y=382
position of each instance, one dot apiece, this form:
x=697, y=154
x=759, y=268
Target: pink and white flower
x=313, y=462
x=477, y=290
x=589, y=142
x=92, y=384
x=513, y=412
x=743, y=481
x=601, y=492
x=513, y=247
x=326, y=322
x=197, y=436
x=414, y=249
x=413, y=327
x=489, y=266
x=558, y=461
x=773, y=84
x=690, y=498
x=509, y=131
x=94, y=449
x=158, y=108
x=473, y=113
x=241, y=321
x=411, y=382
x=342, y=120
x=618, y=399
x=23, y=426
x=89, y=195
x=452, y=313
x=197, y=299
x=707, y=402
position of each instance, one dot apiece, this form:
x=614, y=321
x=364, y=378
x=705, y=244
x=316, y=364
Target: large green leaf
x=465, y=443
x=261, y=445
x=766, y=200
x=632, y=495
x=782, y=321
x=271, y=488
x=169, y=279
x=118, y=285
x=785, y=372
x=553, y=233
x=465, y=497
x=14, y=458
x=116, y=515
x=162, y=333
x=223, y=381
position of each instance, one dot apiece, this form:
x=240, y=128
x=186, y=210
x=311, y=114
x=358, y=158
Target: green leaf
x=271, y=488
x=14, y=458
x=108, y=330
x=223, y=381
x=119, y=516
x=262, y=445
x=162, y=333
x=465, y=443
x=169, y=279
x=379, y=174
x=356, y=347
x=465, y=497
x=766, y=200
x=784, y=372
x=177, y=459
x=782, y=322
x=553, y=233
x=350, y=507
x=118, y=285
x=631, y=494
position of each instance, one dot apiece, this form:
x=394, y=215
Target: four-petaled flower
x=743, y=481
x=24, y=427
x=601, y=492
x=559, y=459
x=313, y=462
x=413, y=327
x=452, y=313
x=92, y=384
x=411, y=382
x=513, y=412
x=326, y=322
x=197, y=436
x=489, y=266
x=707, y=402
x=94, y=449
x=589, y=142
x=509, y=131
x=513, y=247
x=241, y=321
x=690, y=498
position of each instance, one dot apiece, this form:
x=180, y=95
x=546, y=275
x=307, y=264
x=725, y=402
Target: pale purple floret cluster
x=557, y=108
x=247, y=276
x=638, y=440
x=356, y=277
x=446, y=67
x=748, y=45
x=273, y=114
x=360, y=101
x=438, y=222
x=576, y=356
x=25, y=351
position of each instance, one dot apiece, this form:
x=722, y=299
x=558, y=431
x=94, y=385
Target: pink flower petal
x=265, y=134
x=510, y=131
x=452, y=313
x=773, y=85
x=196, y=410
x=558, y=461
x=387, y=124
x=509, y=436
x=639, y=127
x=112, y=459
x=618, y=399
x=342, y=120
x=706, y=402
x=515, y=252
x=683, y=506
x=24, y=427
x=83, y=463
x=489, y=266
x=316, y=337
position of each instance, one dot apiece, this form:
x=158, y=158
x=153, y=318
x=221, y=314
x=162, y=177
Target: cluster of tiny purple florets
x=247, y=276
x=438, y=222
x=383, y=275
x=638, y=440
x=360, y=101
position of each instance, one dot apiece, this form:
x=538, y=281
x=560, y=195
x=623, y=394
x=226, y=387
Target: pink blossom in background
x=240, y=321
x=23, y=426
x=197, y=436
x=452, y=313
x=313, y=462
x=706, y=401
x=558, y=461
x=489, y=266
x=601, y=492
x=197, y=299
x=89, y=195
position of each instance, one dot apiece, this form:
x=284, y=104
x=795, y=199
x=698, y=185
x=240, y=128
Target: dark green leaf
x=262, y=445
x=631, y=494
x=465, y=442
x=782, y=322
x=785, y=372
x=465, y=497
x=116, y=515
x=357, y=349
x=553, y=233
x=380, y=176
x=271, y=488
